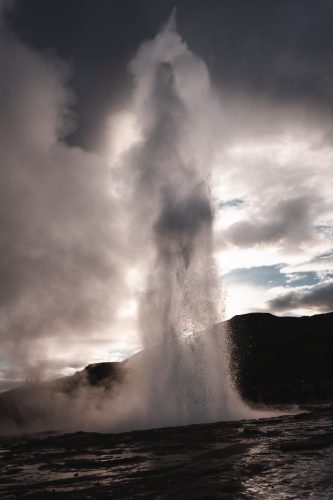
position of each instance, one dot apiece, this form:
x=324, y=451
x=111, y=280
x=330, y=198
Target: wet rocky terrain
x=281, y=362
x=285, y=457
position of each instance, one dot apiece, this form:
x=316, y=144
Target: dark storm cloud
x=60, y=231
x=279, y=52
x=289, y=222
x=97, y=40
x=319, y=297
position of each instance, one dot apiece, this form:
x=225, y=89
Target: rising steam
x=66, y=249
x=184, y=372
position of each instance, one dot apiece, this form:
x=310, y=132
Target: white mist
x=182, y=377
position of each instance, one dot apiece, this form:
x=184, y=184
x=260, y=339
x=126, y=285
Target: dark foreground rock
x=289, y=456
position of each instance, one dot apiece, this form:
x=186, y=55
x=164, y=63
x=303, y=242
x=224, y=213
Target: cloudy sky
x=69, y=273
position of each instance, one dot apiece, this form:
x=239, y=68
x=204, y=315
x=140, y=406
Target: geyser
x=66, y=248
x=184, y=375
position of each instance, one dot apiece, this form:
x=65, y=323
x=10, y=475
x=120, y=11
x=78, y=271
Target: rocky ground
x=287, y=457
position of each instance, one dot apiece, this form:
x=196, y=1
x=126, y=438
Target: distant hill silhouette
x=36, y=402
x=272, y=359
x=282, y=359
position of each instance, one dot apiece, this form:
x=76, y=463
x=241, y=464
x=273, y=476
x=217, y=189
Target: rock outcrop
x=282, y=359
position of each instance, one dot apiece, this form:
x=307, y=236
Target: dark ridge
x=282, y=359
x=35, y=401
x=273, y=360
x=99, y=373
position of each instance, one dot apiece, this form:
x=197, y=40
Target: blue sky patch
x=324, y=229
x=269, y=277
x=233, y=203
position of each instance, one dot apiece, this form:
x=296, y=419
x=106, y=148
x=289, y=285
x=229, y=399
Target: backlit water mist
x=77, y=279
x=184, y=377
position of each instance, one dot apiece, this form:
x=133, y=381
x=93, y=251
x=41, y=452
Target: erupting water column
x=185, y=364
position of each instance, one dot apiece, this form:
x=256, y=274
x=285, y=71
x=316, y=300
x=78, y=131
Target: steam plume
x=64, y=231
x=185, y=374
